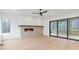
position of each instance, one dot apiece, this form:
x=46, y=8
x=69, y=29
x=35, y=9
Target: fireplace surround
x=31, y=31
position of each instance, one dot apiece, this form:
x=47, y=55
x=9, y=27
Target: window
x=74, y=28
x=67, y=28
x=62, y=28
x=5, y=25
x=54, y=28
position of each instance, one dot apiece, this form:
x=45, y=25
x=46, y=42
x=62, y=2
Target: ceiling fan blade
x=35, y=13
x=44, y=12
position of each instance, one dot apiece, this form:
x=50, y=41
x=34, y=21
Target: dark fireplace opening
x=28, y=29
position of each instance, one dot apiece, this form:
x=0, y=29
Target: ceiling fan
x=41, y=12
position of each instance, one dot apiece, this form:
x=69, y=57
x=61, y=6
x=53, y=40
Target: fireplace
x=28, y=29
x=31, y=31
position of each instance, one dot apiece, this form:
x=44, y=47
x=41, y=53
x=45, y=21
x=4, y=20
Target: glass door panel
x=62, y=28
x=54, y=28
x=73, y=28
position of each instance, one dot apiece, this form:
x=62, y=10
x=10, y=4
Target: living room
x=42, y=31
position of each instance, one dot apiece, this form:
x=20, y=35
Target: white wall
x=46, y=27
x=0, y=25
x=56, y=17
x=29, y=20
x=19, y=20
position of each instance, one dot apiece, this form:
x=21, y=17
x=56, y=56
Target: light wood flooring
x=40, y=43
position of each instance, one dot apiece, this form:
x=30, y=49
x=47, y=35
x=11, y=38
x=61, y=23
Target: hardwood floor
x=40, y=43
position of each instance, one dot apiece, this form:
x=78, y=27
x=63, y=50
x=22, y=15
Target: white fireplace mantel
x=29, y=26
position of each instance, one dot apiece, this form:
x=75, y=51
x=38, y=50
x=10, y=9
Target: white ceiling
x=51, y=12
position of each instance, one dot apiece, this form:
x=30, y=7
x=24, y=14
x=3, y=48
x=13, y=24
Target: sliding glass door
x=54, y=28
x=62, y=28
x=73, y=30
x=67, y=28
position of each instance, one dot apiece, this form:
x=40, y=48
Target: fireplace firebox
x=28, y=29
